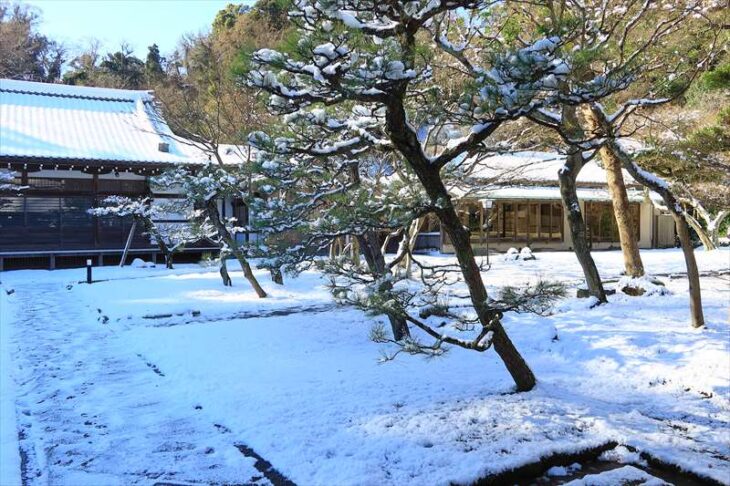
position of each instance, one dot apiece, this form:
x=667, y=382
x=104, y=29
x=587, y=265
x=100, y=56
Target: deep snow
x=103, y=395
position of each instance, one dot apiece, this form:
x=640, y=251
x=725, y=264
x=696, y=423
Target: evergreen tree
x=226, y=18
x=121, y=69
x=154, y=72
x=25, y=53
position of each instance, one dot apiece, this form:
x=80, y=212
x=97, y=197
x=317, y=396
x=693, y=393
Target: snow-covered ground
x=157, y=376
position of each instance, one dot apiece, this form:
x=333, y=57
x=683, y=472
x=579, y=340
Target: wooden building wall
x=51, y=214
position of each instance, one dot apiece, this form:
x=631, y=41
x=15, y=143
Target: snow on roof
x=68, y=91
x=78, y=123
x=548, y=193
x=533, y=167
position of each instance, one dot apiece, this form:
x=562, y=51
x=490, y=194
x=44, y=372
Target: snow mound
x=623, y=455
x=139, y=263
x=513, y=254
x=558, y=471
x=526, y=254
x=641, y=286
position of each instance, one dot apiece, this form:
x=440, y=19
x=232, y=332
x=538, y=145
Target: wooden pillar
x=95, y=186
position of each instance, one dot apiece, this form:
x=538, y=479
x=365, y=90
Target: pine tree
x=169, y=238
x=361, y=78
x=204, y=187
x=154, y=72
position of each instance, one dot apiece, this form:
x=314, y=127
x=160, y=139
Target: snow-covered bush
x=8, y=186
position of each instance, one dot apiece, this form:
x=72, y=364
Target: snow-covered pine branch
x=170, y=238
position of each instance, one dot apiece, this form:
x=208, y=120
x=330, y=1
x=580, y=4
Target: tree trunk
x=248, y=273
x=168, y=261
x=376, y=263
x=567, y=176
x=212, y=211
x=355, y=251
x=578, y=231
x=516, y=365
x=705, y=238
x=693, y=273
x=633, y=265
x=412, y=237
x=150, y=228
x=714, y=229
x=276, y=276
x=713, y=226
x=223, y=270
x=673, y=205
x=406, y=141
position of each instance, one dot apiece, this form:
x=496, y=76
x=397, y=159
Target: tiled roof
x=75, y=123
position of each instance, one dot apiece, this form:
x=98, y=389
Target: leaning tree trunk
x=705, y=238
x=567, y=176
x=675, y=208
x=375, y=260
x=490, y=318
x=578, y=231
x=150, y=228
x=212, y=211
x=633, y=265
x=406, y=142
x=411, y=242
x=223, y=270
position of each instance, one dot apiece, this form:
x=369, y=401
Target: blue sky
x=140, y=23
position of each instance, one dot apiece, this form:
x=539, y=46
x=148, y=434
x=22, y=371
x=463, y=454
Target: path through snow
x=92, y=411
